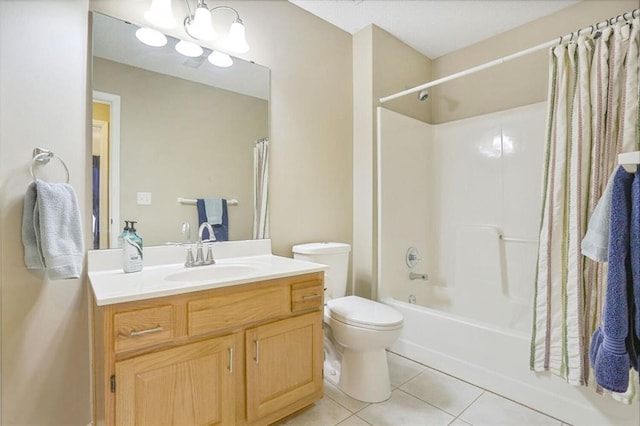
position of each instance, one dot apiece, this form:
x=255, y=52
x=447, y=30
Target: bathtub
x=496, y=359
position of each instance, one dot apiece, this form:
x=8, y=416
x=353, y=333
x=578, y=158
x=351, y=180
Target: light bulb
x=220, y=59
x=201, y=27
x=151, y=37
x=189, y=49
x=160, y=14
x=236, y=40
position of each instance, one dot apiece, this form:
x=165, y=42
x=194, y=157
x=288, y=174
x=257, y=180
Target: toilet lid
x=362, y=312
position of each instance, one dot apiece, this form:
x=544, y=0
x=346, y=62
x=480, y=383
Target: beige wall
x=45, y=346
x=520, y=82
x=381, y=65
x=311, y=115
x=182, y=139
x=45, y=338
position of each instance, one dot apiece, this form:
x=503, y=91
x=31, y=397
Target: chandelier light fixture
x=199, y=25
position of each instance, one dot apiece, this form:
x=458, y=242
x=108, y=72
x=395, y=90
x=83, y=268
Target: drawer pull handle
x=156, y=329
x=230, y=360
x=257, y=358
x=311, y=296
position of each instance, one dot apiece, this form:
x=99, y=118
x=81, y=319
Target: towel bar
x=231, y=202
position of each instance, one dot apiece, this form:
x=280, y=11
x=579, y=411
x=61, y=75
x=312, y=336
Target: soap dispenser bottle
x=132, y=250
x=124, y=232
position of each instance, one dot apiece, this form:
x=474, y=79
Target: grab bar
x=518, y=240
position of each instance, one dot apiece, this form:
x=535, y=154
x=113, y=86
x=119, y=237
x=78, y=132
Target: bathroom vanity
x=237, y=343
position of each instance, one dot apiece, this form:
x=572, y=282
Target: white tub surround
x=164, y=273
x=471, y=209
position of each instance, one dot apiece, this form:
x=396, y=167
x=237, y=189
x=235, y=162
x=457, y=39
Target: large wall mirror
x=167, y=130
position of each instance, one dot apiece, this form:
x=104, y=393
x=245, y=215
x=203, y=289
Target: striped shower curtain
x=260, y=189
x=592, y=116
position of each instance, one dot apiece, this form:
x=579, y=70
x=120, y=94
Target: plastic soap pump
x=124, y=232
x=132, y=250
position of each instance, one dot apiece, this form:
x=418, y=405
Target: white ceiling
x=433, y=27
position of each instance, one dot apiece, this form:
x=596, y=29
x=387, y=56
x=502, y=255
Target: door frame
x=114, y=162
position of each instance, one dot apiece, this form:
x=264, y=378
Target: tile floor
x=419, y=396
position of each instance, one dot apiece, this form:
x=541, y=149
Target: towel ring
x=44, y=156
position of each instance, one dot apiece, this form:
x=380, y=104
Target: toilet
x=357, y=330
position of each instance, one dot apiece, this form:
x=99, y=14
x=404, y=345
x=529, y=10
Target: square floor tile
x=354, y=421
x=351, y=404
x=491, y=409
x=458, y=422
x=445, y=392
x=402, y=369
x=404, y=409
x=324, y=412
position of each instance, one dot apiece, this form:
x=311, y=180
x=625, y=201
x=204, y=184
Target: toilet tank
x=335, y=256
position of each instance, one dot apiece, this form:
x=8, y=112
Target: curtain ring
x=560, y=41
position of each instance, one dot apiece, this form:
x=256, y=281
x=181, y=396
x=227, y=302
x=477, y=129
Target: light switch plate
x=144, y=198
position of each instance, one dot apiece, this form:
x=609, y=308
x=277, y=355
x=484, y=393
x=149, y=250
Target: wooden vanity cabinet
x=245, y=354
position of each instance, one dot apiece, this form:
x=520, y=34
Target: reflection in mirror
x=165, y=127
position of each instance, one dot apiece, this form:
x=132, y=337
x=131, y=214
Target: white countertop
x=115, y=286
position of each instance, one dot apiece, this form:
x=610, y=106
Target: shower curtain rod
x=507, y=58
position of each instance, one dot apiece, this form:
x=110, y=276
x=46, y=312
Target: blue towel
x=633, y=287
x=221, y=231
x=608, y=352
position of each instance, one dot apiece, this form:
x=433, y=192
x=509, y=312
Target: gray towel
x=52, y=231
x=595, y=244
x=213, y=208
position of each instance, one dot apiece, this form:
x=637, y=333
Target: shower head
x=423, y=95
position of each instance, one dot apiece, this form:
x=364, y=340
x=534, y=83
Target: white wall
x=45, y=334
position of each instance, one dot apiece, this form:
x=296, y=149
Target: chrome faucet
x=208, y=227
x=200, y=259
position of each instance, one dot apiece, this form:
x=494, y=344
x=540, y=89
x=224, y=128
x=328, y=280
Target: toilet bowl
x=363, y=329
x=357, y=330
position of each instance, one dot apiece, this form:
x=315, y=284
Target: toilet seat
x=359, y=312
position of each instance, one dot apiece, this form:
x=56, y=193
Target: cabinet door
x=284, y=365
x=186, y=385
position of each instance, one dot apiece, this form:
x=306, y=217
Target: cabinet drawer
x=306, y=295
x=237, y=308
x=142, y=327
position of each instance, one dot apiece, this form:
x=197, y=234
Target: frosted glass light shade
x=151, y=37
x=236, y=40
x=201, y=27
x=220, y=59
x=160, y=14
x=189, y=49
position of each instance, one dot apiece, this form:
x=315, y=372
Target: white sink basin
x=212, y=272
